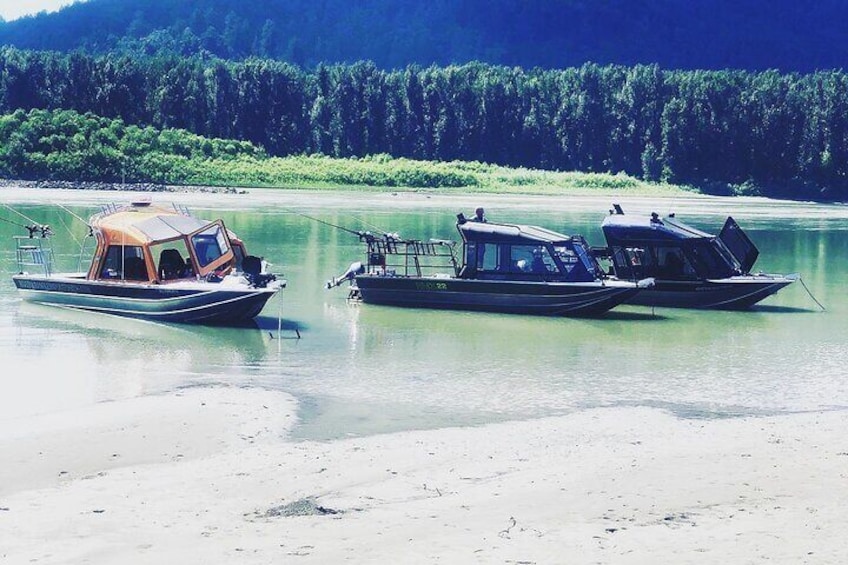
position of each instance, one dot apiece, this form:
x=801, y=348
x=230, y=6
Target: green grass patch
x=68, y=146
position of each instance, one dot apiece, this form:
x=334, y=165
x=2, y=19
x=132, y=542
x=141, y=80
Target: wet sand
x=208, y=475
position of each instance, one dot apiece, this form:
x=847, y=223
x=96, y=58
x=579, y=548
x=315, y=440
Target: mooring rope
x=801, y=280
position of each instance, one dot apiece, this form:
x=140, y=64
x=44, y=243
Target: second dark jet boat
x=691, y=268
x=507, y=268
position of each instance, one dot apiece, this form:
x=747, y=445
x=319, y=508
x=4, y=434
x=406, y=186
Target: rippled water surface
x=362, y=369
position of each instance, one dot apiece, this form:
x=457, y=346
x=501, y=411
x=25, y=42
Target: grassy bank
x=381, y=172
x=71, y=147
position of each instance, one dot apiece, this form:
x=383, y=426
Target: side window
x=172, y=260
x=124, y=262
x=487, y=257
x=531, y=259
x=672, y=263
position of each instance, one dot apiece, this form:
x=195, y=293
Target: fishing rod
x=78, y=217
x=326, y=223
x=370, y=225
x=71, y=212
x=359, y=234
x=33, y=228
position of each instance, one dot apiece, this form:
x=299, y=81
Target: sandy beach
x=208, y=475
x=212, y=474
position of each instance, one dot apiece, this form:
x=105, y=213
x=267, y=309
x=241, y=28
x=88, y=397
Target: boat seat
x=171, y=264
x=135, y=269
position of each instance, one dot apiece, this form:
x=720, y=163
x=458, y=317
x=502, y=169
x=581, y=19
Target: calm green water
x=361, y=369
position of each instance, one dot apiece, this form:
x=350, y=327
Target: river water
x=362, y=369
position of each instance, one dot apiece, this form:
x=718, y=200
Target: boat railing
x=410, y=257
x=114, y=207
x=34, y=252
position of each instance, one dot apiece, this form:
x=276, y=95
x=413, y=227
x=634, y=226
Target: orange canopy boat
x=155, y=262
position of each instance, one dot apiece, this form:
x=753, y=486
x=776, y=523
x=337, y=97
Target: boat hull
x=194, y=302
x=735, y=293
x=538, y=298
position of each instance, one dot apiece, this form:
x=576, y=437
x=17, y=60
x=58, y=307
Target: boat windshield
x=711, y=261
x=576, y=261
x=209, y=244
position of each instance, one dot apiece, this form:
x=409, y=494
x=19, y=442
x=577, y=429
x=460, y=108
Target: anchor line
x=811, y=294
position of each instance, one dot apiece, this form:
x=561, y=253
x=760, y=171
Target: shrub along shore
x=65, y=149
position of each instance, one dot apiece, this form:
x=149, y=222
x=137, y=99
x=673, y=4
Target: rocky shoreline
x=134, y=187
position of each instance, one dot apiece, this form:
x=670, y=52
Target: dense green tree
x=766, y=132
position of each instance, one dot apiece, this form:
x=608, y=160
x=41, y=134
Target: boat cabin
x=520, y=252
x=148, y=243
x=665, y=248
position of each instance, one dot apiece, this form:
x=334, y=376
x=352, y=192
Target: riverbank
x=114, y=186
x=208, y=475
x=374, y=174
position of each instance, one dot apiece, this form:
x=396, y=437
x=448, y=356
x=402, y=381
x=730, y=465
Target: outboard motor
x=354, y=269
x=255, y=273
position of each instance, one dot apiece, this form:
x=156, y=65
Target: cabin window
x=124, y=262
x=531, y=259
x=671, y=263
x=239, y=254
x=172, y=260
x=488, y=256
x=209, y=245
x=710, y=261
x=624, y=260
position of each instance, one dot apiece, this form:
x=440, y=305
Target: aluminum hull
x=734, y=293
x=184, y=302
x=514, y=297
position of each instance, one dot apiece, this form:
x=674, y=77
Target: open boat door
x=739, y=245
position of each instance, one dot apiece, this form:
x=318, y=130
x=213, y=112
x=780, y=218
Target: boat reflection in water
x=507, y=268
x=691, y=268
x=154, y=262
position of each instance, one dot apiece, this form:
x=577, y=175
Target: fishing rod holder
x=34, y=252
x=40, y=230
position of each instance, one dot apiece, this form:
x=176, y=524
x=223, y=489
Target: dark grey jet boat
x=691, y=268
x=501, y=268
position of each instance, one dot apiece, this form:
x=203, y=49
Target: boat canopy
x=482, y=232
x=668, y=248
x=145, y=224
x=524, y=252
x=162, y=228
x=624, y=229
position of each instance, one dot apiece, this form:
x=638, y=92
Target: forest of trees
x=64, y=145
x=786, y=35
x=723, y=131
